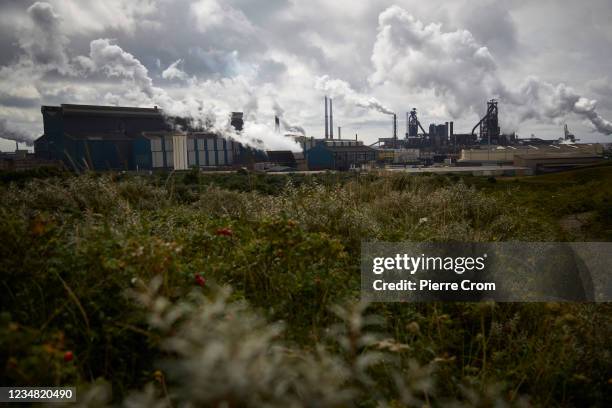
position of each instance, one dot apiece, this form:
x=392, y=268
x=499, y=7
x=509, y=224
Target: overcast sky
x=548, y=61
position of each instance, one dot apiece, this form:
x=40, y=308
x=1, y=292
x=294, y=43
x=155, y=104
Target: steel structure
x=489, y=124
x=413, y=124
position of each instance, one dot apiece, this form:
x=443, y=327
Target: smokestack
x=446, y=131
x=16, y=145
x=452, y=135
x=326, y=120
x=394, y=126
x=339, y=132
x=331, y=119
x=356, y=137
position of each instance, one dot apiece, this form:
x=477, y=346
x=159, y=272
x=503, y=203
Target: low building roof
x=347, y=149
x=70, y=109
x=557, y=156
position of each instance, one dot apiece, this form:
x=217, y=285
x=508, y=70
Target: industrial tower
x=413, y=124
x=489, y=124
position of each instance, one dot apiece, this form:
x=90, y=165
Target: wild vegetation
x=243, y=290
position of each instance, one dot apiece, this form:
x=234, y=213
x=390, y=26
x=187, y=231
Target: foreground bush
x=73, y=247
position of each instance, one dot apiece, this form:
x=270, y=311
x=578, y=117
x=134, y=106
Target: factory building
x=305, y=142
x=180, y=151
x=21, y=160
x=550, y=163
x=399, y=156
x=438, y=135
x=538, y=158
x=505, y=155
x=126, y=138
x=95, y=137
x=330, y=154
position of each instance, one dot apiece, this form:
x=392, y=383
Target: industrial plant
x=85, y=137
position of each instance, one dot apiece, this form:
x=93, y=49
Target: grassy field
x=243, y=290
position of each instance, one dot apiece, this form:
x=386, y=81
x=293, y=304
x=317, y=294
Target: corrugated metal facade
x=195, y=150
x=339, y=155
x=121, y=138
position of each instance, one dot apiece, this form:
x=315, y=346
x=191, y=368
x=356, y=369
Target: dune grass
x=242, y=290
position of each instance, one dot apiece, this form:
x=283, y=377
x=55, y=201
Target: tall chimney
x=331, y=119
x=339, y=132
x=452, y=135
x=326, y=120
x=446, y=132
x=16, y=145
x=394, y=126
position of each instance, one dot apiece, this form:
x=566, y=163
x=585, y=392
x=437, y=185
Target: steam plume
x=114, y=62
x=13, y=134
x=291, y=129
x=414, y=55
x=338, y=88
x=373, y=103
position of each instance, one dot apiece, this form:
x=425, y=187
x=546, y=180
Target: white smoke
x=289, y=128
x=586, y=108
x=373, y=103
x=409, y=54
x=9, y=133
x=338, y=88
x=114, y=62
x=537, y=99
x=415, y=56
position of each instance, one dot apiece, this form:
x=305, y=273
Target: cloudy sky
x=548, y=61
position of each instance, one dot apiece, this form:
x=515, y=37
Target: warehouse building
x=335, y=154
x=180, y=151
x=399, y=156
x=506, y=155
x=550, y=163
x=126, y=138
x=95, y=137
x=21, y=160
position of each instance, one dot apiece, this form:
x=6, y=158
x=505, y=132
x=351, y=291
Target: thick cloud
x=601, y=86
x=464, y=73
x=537, y=99
x=43, y=40
x=114, y=62
x=412, y=54
x=445, y=58
x=491, y=24
x=211, y=14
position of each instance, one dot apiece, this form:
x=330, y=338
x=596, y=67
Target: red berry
x=224, y=232
x=199, y=280
x=68, y=356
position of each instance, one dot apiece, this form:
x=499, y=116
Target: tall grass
x=126, y=273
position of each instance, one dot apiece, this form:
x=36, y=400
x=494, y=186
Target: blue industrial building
x=95, y=137
x=126, y=138
x=335, y=154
